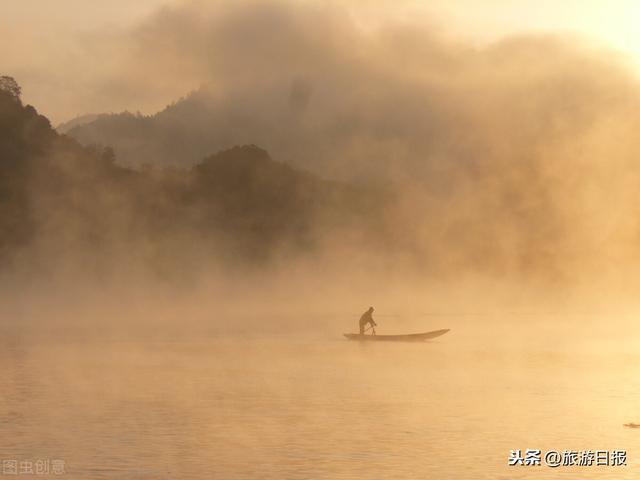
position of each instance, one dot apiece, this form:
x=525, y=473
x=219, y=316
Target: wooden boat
x=411, y=337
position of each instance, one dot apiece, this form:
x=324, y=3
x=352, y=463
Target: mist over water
x=314, y=406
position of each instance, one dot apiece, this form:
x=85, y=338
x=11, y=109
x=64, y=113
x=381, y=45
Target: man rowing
x=367, y=318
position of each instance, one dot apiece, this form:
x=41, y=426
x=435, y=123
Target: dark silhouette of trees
x=9, y=85
x=59, y=197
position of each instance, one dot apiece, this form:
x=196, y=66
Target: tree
x=9, y=85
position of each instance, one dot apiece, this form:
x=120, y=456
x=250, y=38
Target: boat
x=411, y=337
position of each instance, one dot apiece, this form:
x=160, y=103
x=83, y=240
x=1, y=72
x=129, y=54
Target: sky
x=612, y=23
x=60, y=51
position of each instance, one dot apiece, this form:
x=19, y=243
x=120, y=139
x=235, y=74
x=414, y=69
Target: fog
x=174, y=284
x=494, y=165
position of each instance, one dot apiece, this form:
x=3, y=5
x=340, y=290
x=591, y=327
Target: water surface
x=315, y=406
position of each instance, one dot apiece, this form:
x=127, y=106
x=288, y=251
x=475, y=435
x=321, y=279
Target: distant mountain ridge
x=78, y=121
x=180, y=135
x=74, y=203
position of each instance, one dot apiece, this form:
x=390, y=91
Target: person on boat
x=367, y=318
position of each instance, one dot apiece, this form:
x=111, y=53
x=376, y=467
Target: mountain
x=180, y=135
x=65, y=127
x=61, y=201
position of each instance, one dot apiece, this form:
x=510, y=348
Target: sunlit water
x=317, y=406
